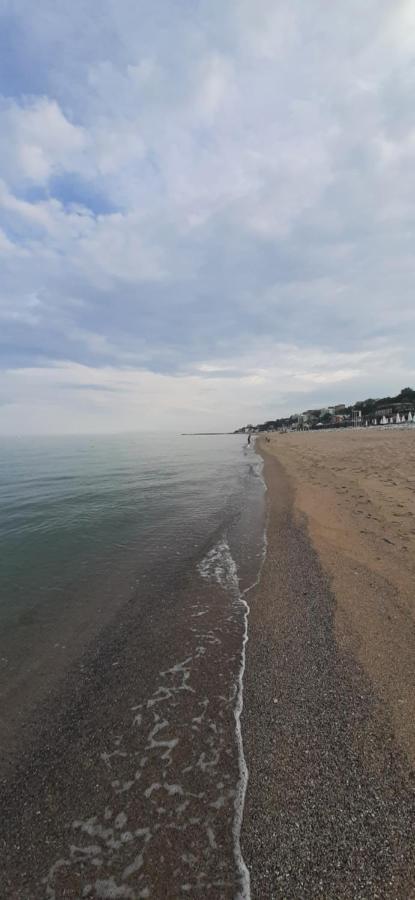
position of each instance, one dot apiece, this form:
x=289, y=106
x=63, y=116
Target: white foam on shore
x=245, y=892
x=218, y=565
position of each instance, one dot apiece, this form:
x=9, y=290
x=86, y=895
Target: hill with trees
x=371, y=411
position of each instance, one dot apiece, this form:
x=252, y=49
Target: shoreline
x=329, y=808
x=242, y=786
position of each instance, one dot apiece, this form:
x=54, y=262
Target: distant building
x=336, y=410
x=310, y=415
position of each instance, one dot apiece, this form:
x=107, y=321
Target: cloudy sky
x=206, y=210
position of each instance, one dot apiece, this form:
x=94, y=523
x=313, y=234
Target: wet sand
x=329, y=684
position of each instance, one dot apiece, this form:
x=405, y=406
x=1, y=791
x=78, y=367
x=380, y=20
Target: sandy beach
x=128, y=781
x=329, y=725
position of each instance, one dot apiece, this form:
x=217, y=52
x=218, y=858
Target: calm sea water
x=172, y=528
x=75, y=508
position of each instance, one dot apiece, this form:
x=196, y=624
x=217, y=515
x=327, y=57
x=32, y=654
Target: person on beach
x=249, y=439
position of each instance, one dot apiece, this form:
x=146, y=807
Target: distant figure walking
x=249, y=439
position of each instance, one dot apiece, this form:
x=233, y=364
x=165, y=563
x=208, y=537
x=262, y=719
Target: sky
x=206, y=210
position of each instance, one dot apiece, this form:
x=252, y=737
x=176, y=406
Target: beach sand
x=329, y=718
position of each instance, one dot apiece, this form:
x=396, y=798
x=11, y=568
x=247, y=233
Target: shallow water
x=67, y=505
x=178, y=521
x=85, y=521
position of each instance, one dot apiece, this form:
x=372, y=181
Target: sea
x=128, y=563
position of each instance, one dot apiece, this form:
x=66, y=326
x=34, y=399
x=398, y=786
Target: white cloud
x=68, y=397
x=177, y=191
x=7, y=247
x=399, y=28
x=216, y=93
x=267, y=29
x=37, y=140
